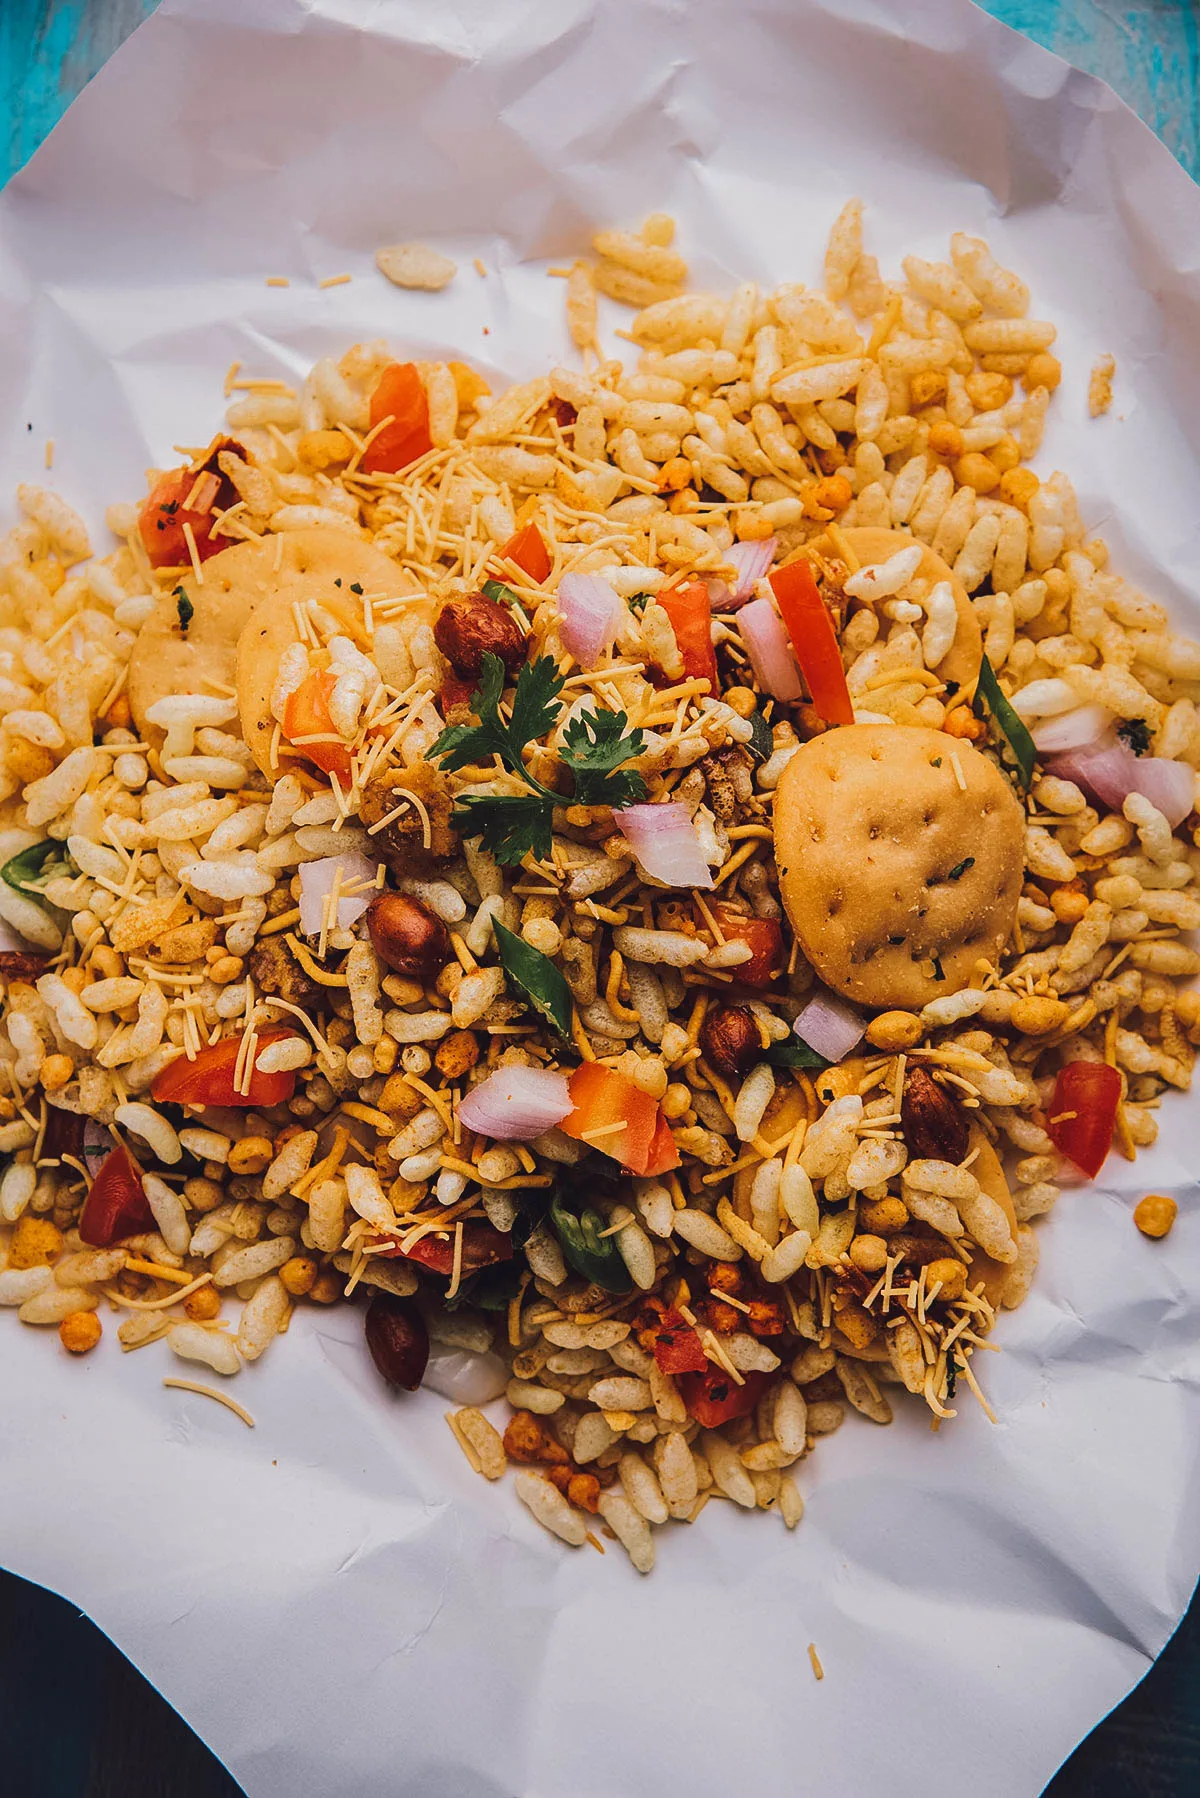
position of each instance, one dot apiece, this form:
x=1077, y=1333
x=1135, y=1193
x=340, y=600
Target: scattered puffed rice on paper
x=415, y=265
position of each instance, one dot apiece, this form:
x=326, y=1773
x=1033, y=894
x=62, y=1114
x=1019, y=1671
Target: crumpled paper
x=334, y=1600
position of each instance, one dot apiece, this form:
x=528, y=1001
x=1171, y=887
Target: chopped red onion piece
x=719, y=596
x=1081, y=728
x=515, y=1104
x=1171, y=786
x=751, y=561
x=589, y=609
x=1102, y=770
x=97, y=1144
x=1110, y=771
x=665, y=842
x=316, y=883
x=829, y=1025
x=769, y=650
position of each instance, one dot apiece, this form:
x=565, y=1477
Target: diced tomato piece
x=663, y=1155
x=455, y=691
x=116, y=1205
x=208, y=1078
x=1083, y=1112
x=22, y=964
x=676, y=1345
x=399, y=398
x=528, y=550
x=613, y=1115
x=714, y=1396
x=814, y=639
x=690, y=611
x=164, y=514
x=64, y=1133
x=306, y=714
x=764, y=936
x=482, y=1246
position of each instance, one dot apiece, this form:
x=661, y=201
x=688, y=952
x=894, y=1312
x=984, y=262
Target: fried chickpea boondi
x=588, y=721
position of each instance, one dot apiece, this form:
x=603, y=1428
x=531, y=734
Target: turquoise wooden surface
x=1149, y=52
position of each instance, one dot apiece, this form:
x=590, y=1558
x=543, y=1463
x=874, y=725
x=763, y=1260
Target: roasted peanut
x=407, y=935
x=456, y=1054
x=397, y=1339
x=730, y=1039
x=932, y=1122
x=251, y=1155
x=469, y=629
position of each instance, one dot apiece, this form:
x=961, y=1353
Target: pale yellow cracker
x=871, y=544
x=306, y=569
x=872, y=831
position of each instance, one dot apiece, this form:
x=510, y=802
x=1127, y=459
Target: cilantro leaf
x=594, y=750
x=762, y=742
x=185, y=609
x=1136, y=733
x=594, y=747
x=510, y=826
x=954, y=873
x=625, y=787
x=463, y=744
x=534, y=700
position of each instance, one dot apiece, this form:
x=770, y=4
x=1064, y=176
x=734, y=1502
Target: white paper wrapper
x=334, y=1600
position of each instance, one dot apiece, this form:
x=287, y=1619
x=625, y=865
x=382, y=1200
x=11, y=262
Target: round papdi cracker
x=886, y=862
x=307, y=568
x=166, y=659
x=872, y=544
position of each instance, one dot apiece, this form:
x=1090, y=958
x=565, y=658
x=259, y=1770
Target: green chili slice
x=535, y=978
x=794, y=1055
x=762, y=743
x=504, y=596
x=26, y=872
x=990, y=696
x=590, y=1253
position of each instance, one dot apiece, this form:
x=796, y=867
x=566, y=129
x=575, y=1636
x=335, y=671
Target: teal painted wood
x=49, y=49
x=1148, y=51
